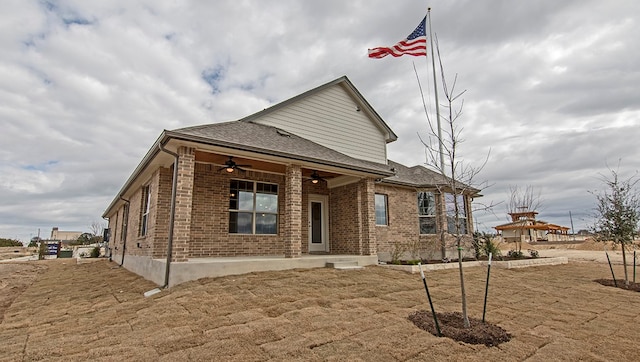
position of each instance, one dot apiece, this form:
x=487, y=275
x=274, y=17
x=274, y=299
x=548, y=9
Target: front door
x=318, y=228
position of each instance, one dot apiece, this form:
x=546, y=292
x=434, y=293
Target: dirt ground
x=60, y=310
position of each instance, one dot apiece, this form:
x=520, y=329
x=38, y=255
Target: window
x=381, y=209
x=146, y=205
x=427, y=212
x=450, y=200
x=253, y=208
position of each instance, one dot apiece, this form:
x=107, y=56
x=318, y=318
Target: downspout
x=172, y=213
x=125, y=219
x=107, y=246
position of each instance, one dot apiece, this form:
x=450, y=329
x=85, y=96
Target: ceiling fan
x=315, y=177
x=230, y=166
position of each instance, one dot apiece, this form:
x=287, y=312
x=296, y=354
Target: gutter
x=172, y=213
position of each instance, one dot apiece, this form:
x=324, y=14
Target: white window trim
x=431, y=216
x=254, y=212
x=386, y=209
x=146, y=206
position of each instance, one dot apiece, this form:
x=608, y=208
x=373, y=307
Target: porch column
x=368, y=217
x=470, y=228
x=184, y=198
x=293, y=212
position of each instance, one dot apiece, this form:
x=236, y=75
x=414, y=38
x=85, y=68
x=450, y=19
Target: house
x=65, y=237
x=300, y=184
x=525, y=228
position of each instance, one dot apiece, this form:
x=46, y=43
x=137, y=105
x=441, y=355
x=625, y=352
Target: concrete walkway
x=587, y=255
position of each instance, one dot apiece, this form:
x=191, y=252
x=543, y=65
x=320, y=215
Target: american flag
x=415, y=44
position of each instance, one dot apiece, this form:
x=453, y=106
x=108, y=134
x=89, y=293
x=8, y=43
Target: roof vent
x=283, y=133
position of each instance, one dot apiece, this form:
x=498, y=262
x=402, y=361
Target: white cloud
x=86, y=87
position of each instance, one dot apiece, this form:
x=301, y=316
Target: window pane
x=449, y=202
x=240, y=222
x=245, y=201
x=427, y=225
x=266, y=223
x=381, y=209
x=426, y=203
x=451, y=228
x=266, y=203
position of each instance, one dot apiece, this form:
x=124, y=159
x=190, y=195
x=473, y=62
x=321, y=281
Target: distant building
x=525, y=228
x=64, y=236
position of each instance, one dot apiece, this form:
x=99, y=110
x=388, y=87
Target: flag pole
x=435, y=89
x=443, y=250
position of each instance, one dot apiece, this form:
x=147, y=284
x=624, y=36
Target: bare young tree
x=617, y=213
x=457, y=175
x=523, y=199
x=96, y=227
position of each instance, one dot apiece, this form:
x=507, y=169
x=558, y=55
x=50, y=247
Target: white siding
x=330, y=118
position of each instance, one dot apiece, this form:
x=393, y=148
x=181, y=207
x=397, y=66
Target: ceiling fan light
x=314, y=181
x=229, y=169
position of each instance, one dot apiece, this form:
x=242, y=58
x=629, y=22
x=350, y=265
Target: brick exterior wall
x=292, y=212
x=184, y=197
x=403, y=226
x=163, y=210
x=202, y=217
x=210, y=216
x=352, y=218
x=366, y=189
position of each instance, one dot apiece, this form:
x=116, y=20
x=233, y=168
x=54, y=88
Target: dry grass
x=96, y=311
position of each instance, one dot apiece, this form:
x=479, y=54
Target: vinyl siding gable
x=330, y=117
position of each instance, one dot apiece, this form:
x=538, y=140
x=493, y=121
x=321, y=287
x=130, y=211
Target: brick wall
x=163, y=209
x=184, y=197
x=210, y=216
x=403, y=226
x=345, y=209
x=292, y=214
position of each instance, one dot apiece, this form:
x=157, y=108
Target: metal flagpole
x=435, y=88
x=443, y=250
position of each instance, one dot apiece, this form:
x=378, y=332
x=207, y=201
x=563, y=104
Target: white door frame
x=324, y=221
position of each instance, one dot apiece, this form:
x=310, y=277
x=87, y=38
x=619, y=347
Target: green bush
x=95, y=252
x=483, y=245
x=534, y=253
x=515, y=254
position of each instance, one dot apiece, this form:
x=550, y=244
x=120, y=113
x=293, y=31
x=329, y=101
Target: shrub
x=534, y=253
x=515, y=254
x=397, y=249
x=95, y=252
x=483, y=245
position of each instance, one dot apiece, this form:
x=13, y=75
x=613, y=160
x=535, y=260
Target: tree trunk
x=624, y=264
x=462, y=290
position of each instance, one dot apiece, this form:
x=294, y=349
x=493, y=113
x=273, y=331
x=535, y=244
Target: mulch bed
x=609, y=283
x=451, y=326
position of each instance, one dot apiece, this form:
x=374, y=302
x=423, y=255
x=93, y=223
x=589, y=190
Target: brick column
x=470, y=229
x=293, y=212
x=184, y=198
x=368, y=217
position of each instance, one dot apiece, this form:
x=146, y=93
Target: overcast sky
x=86, y=87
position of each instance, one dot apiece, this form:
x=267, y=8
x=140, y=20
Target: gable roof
x=346, y=84
x=248, y=136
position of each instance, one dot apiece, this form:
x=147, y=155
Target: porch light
x=229, y=169
x=315, y=178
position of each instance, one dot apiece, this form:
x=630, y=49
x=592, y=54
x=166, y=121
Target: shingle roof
x=270, y=140
x=421, y=177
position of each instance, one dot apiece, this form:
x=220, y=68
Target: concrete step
x=344, y=265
